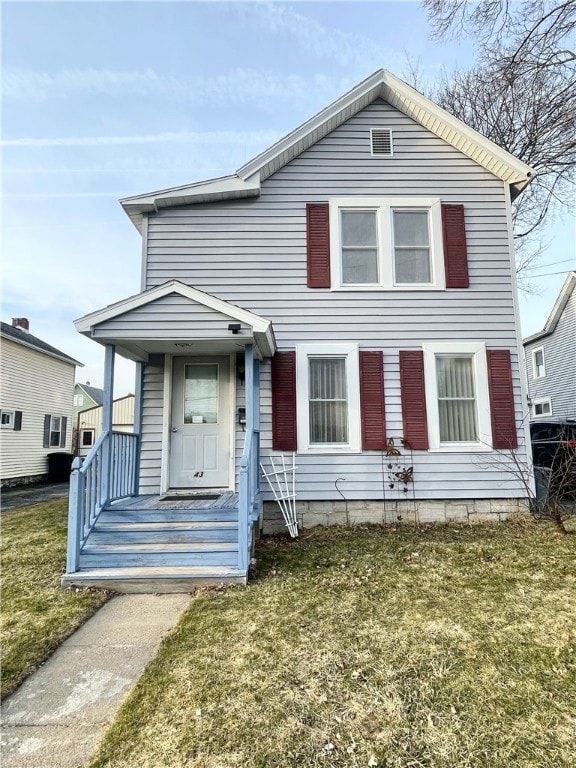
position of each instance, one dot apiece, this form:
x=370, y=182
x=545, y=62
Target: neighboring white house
x=551, y=359
x=89, y=424
x=348, y=296
x=37, y=383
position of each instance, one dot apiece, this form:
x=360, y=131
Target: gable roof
x=555, y=315
x=260, y=326
x=33, y=342
x=380, y=85
x=94, y=393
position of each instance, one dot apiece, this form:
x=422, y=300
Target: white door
x=201, y=424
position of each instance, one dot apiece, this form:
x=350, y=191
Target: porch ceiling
x=175, y=318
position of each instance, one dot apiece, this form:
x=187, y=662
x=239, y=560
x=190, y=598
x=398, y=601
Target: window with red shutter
x=504, y=435
x=284, y=401
x=413, y=393
x=372, y=401
x=318, y=245
x=455, y=251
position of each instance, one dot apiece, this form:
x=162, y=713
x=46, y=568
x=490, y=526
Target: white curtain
x=456, y=399
x=328, y=400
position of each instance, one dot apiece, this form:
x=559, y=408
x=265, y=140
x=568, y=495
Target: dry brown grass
x=440, y=647
x=37, y=615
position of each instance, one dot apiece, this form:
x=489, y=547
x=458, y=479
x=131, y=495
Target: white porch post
x=107, y=407
x=249, y=369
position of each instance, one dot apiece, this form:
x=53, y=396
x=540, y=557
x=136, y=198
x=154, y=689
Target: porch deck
x=163, y=544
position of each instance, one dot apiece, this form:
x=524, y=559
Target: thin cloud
x=236, y=87
x=346, y=49
x=194, y=137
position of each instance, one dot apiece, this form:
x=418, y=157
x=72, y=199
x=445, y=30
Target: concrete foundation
x=313, y=513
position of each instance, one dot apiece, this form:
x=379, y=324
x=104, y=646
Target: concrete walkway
x=57, y=717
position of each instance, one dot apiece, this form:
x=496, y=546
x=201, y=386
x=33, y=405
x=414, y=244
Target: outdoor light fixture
x=234, y=327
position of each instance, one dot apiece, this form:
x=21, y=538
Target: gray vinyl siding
x=152, y=425
x=253, y=253
x=172, y=316
x=559, y=383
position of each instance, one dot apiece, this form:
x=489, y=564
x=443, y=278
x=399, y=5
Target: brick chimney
x=22, y=323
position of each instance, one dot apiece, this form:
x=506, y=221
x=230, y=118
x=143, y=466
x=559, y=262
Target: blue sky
x=101, y=100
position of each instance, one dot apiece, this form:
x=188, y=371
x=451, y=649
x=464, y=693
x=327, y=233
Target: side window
x=54, y=431
x=542, y=407
x=538, y=364
x=87, y=438
x=7, y=419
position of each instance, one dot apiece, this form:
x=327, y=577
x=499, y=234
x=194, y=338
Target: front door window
x=201, y=394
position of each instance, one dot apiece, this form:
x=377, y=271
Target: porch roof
x=175, y=318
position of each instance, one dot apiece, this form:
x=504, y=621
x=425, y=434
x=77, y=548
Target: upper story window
x=78, y=400
x=386, y=243
x=7, y=419
x=538, y=364
x=542, y=407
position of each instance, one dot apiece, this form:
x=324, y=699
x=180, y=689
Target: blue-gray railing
x=109, y=472
x=248, y=496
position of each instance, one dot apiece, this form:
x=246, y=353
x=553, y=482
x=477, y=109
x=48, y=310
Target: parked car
x=554, y=457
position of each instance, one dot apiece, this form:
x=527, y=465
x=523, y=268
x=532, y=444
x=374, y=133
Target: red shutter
x=455, y=253
x=413, y=393
x=501, y=399
x=318, y=245
x=372, y=401
x=284, y=401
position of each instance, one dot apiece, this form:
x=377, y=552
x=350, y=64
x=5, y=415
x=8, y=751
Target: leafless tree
x=521, y=95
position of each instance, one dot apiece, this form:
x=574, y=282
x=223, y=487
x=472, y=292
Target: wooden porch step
x=175, y=555
x=144, y=533
x=224, y=514
x=155, y=579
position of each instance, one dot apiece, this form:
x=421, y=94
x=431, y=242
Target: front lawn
x=37, y=615
x=440, y=647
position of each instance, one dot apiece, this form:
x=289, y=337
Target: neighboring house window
x=384, y=243
x=538, y=364
x=78, y=400
x=328, y=398
x=11, y=420
x=87, y=438
x=457, y=400
x=542, y=407
x=54, y=431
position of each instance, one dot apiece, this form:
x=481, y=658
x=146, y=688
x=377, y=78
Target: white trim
x=556, y=314
x=350, y=352
x=144, y=253
x=11, y=413
x=166, y=423
x=535, y=375
x=541, y=401
x=384, y=208
x=477, y=350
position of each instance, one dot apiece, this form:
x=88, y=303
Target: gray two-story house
x=345, y=303
x=551, y=359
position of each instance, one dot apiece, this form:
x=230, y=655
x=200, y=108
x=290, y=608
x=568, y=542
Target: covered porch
x=191, y=520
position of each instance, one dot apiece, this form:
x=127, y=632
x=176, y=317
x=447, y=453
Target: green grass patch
x=444, y=646
x=37, y=615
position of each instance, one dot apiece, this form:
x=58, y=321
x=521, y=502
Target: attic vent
x=381, y=141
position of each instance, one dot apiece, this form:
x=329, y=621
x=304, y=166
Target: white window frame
x=542, y=401
x=350, y=353
x=384, y=207
x=78, y=400
x=55, y=431
x=83, y=431
x=11, y=418
x=535, y=367
x=476, y=350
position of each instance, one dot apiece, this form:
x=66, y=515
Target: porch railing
x=109, y=472
x=248, y=495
